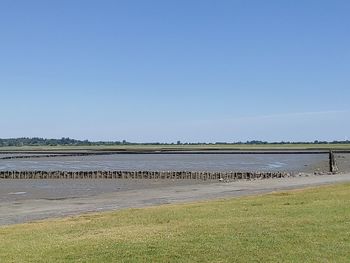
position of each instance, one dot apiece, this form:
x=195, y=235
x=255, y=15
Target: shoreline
x=46, y=203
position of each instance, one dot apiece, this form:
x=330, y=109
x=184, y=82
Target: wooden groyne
x=141, y=175
x=333, y=167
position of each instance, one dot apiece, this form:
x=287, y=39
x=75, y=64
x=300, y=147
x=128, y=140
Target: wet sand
x=29, y=200
x=173, y=162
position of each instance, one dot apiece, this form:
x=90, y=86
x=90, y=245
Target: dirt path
x=23, y=201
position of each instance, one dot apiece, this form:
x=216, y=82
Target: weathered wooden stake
x=333, y=168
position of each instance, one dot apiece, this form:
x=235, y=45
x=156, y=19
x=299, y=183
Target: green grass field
x=311, y=225
x=184, y=147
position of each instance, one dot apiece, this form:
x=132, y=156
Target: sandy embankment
x=28, y=200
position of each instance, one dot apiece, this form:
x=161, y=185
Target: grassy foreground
x=310, y=225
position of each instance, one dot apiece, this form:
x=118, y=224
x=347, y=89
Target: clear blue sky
x=175, y=70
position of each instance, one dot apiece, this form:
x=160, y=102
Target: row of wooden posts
x=140, y=175
x=152, y=174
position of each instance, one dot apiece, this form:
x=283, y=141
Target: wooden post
x=333, y=168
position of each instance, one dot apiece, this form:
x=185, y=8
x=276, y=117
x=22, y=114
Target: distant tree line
x=35, y=141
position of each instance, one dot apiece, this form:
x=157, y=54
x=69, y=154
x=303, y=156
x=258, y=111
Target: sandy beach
x=29, y=200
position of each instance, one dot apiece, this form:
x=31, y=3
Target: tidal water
x=172, y=162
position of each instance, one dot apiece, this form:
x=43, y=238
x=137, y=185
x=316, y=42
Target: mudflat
x=29, y=200
x=176, y=161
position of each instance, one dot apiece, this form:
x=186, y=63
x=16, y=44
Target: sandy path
x=16, y=207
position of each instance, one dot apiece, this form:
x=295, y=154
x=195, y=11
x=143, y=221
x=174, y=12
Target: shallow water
x=177, y=162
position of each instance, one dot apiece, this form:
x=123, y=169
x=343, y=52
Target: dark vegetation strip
x=41, y=156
